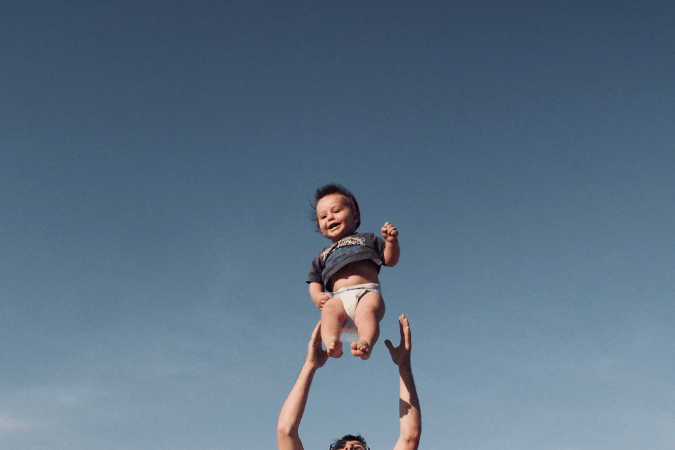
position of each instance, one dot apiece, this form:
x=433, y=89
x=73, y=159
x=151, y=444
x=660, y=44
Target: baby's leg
x=369, y=313
x=333, y=318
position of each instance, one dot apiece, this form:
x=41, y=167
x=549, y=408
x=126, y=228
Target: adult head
x=350, y=442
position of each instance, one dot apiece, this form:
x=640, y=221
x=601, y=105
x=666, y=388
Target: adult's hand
x=401, y=354
x=316, y=355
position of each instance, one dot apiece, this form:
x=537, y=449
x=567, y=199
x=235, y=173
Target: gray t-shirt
x=356, y=247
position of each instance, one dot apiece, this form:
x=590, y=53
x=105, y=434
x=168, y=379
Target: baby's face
x=336, y=217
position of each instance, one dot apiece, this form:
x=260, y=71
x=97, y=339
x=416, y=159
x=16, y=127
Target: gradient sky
x=156, y=165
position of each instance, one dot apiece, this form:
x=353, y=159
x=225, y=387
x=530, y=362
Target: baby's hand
x=321, y=299
x=389, y=232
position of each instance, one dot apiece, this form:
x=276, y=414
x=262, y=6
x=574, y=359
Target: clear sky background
x=156, y=165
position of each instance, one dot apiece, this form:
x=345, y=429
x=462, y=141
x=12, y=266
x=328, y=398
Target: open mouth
x=333, y=225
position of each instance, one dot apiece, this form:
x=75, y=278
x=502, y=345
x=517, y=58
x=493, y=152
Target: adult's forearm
x=409, y=410
x=293, y=409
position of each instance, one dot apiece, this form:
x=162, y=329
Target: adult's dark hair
x=334, y=188
x=340, y=443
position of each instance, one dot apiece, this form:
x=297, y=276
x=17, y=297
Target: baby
x=343, y=279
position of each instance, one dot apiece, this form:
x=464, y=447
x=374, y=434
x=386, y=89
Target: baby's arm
x=391, y=249
x=318, y=295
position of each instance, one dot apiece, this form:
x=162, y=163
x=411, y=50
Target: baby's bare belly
x=359, y=272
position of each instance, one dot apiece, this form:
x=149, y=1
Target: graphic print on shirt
x=349, y=240
x=339, y=254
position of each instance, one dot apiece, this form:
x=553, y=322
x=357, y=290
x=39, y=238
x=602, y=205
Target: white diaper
x=350, y=297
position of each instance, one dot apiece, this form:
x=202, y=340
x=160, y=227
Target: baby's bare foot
x=334, y=349
x=361, y=349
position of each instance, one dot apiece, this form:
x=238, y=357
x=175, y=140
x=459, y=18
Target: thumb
x=389, y=345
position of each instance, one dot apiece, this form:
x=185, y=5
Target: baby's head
x=339, y=194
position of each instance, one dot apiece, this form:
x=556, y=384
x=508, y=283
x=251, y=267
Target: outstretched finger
x=316, y=335
x=315, y=353
x=406, y=335
x=401, y=319
x=393, y=351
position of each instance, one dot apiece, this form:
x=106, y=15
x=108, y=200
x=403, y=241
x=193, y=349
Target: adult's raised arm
x=409, y=405
x=294, y=406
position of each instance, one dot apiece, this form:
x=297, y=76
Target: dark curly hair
x=340, y=443
x=329, y=189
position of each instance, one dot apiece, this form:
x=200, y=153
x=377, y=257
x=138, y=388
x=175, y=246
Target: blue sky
x=156, y=165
